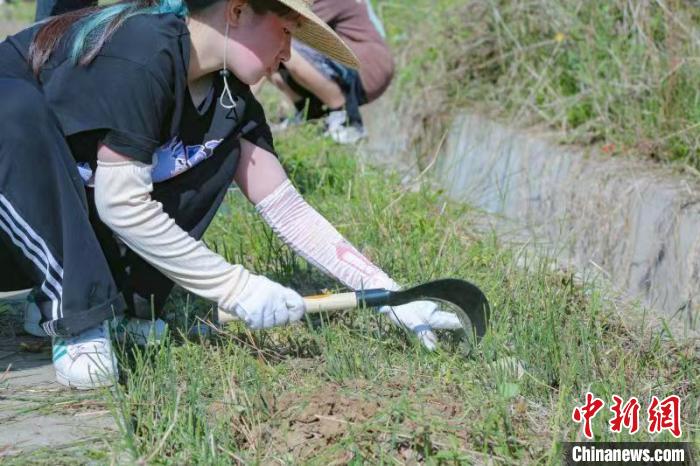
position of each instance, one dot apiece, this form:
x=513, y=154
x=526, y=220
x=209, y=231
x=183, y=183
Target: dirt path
x=35, y=411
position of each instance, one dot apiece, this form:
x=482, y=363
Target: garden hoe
x=468, y=301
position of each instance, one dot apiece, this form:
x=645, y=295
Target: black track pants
x=46, y=238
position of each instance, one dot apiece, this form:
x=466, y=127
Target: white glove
x=421, y=317
x=264, y=303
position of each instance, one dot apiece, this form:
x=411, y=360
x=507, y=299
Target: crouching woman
x=123, y=127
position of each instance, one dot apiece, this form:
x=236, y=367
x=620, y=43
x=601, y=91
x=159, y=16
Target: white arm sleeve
x=311, y=236
x=124, y=203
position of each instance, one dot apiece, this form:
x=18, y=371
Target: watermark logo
x=626, y=415
x=587, y=412
x=628, y=453
x=662, y=415
x=665, y=415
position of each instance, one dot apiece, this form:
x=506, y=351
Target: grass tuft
x=623, y=75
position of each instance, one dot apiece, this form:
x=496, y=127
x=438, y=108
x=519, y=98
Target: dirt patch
x=331, y=413
x=331, y=420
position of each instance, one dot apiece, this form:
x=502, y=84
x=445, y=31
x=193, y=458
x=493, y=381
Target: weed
x=617, y=73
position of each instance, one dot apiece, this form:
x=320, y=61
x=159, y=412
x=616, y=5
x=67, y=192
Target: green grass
x=353, y=388
x=18, y=11
x=622, y=75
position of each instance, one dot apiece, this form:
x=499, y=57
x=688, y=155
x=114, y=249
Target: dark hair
x=260, y=7
x=99, y=23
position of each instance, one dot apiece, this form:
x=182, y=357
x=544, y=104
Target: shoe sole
x=63, y=380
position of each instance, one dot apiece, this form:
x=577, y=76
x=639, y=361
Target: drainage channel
x=633, y=222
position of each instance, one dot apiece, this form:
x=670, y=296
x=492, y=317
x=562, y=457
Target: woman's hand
x=264, y=303
x=422, y=317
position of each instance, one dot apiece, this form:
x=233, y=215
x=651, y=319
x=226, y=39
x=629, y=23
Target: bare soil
x=327, y=421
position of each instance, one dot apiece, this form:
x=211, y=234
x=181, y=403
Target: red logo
x=665, y=415
x=661, y=415
x=587, y=412
x=626, y=416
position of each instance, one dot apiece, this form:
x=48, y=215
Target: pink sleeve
x=310, y=235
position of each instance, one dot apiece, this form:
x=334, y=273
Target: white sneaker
x=348, y=134
x=342, y=131
x=290, y=121
x=87, y=360
x=140, y=331
x=32, y=317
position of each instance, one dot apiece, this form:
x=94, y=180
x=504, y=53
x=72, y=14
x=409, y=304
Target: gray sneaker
x=32, y=317
x=139, y=331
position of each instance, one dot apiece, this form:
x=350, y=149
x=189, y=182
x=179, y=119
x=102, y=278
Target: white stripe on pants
x=35, y=249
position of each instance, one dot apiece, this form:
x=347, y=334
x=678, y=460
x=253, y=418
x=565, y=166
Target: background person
x=125, y=126
x=320, y=86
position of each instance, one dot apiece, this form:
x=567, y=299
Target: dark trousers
x=46, y=239
x=350, y=84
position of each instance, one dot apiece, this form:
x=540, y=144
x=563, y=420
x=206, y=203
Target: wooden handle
x=314, y=304
x=225, y=317
x=333, y=302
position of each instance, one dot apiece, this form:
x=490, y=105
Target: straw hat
x=317, y=34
